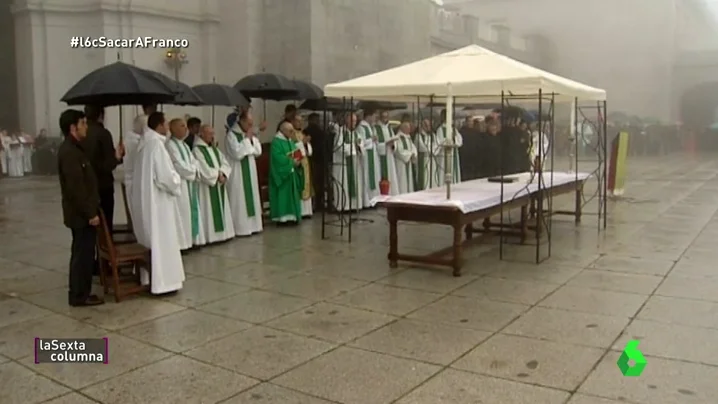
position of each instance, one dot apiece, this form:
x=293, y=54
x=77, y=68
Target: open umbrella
x=118, y=84
x=183, y=93
x=305, y=91
x=219, y=94
x=328, y=104
x=266, y=86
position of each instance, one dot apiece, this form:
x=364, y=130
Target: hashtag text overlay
x=66, y=350
x=120, y=43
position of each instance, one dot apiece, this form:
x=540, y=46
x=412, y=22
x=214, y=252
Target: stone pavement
x=287, y=318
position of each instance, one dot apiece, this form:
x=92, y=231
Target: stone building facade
x=318, y=40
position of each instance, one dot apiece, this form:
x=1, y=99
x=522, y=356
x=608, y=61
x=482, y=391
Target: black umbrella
x=267, y=86
x=382, y=105
x=219, y=94
x=305, y=91
x=183, y=93
x=328, y=104
x=118, y=84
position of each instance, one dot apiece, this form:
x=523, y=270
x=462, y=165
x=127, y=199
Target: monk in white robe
x=346, y=185
x=444, y=138
x=214, y=172
x=156, y=186
x=184, y=162
x=386, y=146
x=371, y=170
x=16, y=166
x=4, y=151
x=406, y=156
x=428, y=150
x=243, y=148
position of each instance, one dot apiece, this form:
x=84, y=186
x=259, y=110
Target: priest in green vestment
x=285, y=203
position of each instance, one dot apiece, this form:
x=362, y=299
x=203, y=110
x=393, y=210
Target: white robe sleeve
x=301, y=148
x=310, y=150
x=207, y=175
x=458, y=140
x=238, y=150
x=402, y=153
x=165, y=176
x=224, y=166
x=186, y=169
x=256, y=146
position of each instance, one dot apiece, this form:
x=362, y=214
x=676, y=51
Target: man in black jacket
x=80, y=206
x=104, y=158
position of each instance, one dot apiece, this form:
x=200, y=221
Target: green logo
x=631, y=353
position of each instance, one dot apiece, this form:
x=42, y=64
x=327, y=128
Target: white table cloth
x=475, y=195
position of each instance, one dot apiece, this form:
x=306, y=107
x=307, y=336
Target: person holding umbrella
x=104, y=158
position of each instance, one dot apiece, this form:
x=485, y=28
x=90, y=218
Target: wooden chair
x=114, y=257
x=125, y=227
x=124, y=233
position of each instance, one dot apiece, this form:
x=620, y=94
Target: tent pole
x=448, y=147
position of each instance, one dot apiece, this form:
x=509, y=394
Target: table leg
x=524, y=223
x=457, y=250
x=469, y=231
x=578, y=211
x=393, y=241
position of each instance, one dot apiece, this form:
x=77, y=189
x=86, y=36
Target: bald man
x=285, y=206
x=243, y=148
x=214, y=170
x=184, y=162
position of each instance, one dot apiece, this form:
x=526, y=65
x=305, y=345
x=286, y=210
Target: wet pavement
x=287, y=318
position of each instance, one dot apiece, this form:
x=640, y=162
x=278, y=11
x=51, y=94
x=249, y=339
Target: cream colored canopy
x=472, y=73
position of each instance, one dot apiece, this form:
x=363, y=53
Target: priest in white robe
x=304, y=145
x=156, y=187
x=444, y=138
x=16, y=165
x=386, y=147
x=4, y=151
x=371, y=170
x=184, y=162
x=428, y=151
x=346, y=186
x=406, y=156
x=28, y=149
x=214, y=172
x=131, y=141
x=243, y=148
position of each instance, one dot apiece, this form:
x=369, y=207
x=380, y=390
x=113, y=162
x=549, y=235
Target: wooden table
x=400, y=208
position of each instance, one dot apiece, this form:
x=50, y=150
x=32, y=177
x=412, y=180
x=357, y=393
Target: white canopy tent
x=472, y=73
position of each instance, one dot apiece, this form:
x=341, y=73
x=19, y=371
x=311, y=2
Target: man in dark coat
x=80, y=206
x=104, y=158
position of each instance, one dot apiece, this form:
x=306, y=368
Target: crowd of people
x=183, y=192
x=17, y=151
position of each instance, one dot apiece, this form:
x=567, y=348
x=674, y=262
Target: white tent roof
x=474, y=73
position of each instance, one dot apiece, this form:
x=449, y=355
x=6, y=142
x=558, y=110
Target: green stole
x=246, y=179
x=407, y=165
x=192, y=188
x=216, y=192
x=351, y=175
x=382, y=158
x=370, y=158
